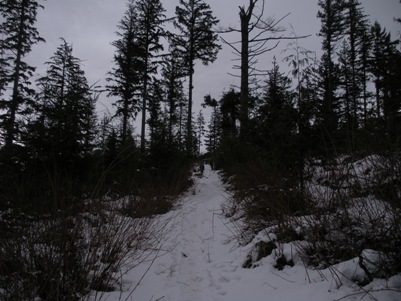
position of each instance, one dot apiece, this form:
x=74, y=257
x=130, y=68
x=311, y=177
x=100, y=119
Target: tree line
x=346, y=101
x=51, y=137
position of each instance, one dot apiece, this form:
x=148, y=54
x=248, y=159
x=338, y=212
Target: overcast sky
x=90, y=26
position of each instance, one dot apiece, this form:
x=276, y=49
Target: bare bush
x=348, y=209
x=65, y=258
x=266, y=196
x=350, y=217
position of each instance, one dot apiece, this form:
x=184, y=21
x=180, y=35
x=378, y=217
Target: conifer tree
x=353, y=70
x=214, y=126
x=125, y=81
x=172, y=73
x=230, y=113
x=156, y=120
x=392, y=98
x=382, y=49
x=277, y=121
x=148, y=30
x=63, y=129
x=4, y=68
x=346, y=110
x=18, y=36
x=182, y=122
x=196, y=41
x=276, y=105
x=331, y=14
x=140, y=33
x=200, y=130
x=385, y=64
x=365, y=50
x=213, y=134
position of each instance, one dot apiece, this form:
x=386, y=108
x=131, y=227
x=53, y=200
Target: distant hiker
x=211, y=164
x=201, y=167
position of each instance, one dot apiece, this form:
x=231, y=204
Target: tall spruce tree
x=353, y=70
x=364, y=53
x=182, y=122
x=200, y=130
x=126, y=78
x=392, y=98
x=196, y=41
x=213, y=134
x=214, y=126
x=63, y=131
x=331, y=14
x=156, y=120
x=172, y=73
x=149, y=30
x=4, y=68
x=18, y=36
x=385, y=60
x=345, y=112
x=382, y=49
x=276, y=120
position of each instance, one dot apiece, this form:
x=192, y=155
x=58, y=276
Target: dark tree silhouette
x=18, y=36
x=126, y=78
x=172, y=73
x=63, y=130
x=149, y=30
x=196, y=41
x=331, y=14
x=255, y=32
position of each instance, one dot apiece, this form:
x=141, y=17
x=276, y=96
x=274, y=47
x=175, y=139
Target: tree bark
x=189, y=120
x=144, y=101
x=15, y=96
x=245, y=17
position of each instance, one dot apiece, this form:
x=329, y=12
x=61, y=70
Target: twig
x=283, y=278
x=269, y=285
x=143, y=276
x=183, y=283
x=225, y=279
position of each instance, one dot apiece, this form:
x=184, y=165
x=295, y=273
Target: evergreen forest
x=62, y=166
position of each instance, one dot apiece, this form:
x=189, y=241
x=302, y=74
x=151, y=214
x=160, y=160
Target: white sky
x=90, y=26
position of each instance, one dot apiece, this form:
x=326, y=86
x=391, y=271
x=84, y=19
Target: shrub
x=65, y=257
x=346, y=209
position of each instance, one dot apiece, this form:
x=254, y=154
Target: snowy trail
x=195, y=265
x=200, y=244
x=199, y=262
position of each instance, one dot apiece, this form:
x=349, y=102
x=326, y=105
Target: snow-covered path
x=196, y=265
x=199, y=245
x=200, y=262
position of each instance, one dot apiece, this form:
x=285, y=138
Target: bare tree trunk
x=245, y=17
x=144, y=104
x=189, y=120
x=125, y=121
x=244, y=98
x=15, y=96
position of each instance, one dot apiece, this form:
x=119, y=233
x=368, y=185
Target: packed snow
x=200, y=260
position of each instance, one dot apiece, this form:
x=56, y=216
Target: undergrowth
x=344, y=209
x=65, y=257
x=80, y=252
